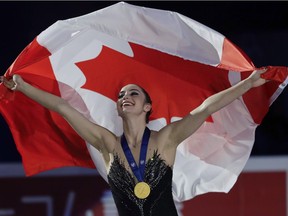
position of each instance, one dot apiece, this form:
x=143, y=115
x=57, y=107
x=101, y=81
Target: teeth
x=127, y=104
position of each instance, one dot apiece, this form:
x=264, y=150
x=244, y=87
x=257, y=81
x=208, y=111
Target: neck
x=133, y=131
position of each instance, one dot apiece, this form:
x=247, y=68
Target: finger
x=14, y=82
x=14, y=86
x=262, y=70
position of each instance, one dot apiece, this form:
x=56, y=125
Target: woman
x=139, y=163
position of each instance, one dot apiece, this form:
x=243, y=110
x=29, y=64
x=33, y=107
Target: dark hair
x=147, y=100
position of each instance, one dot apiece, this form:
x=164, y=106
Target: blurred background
x=259, y=28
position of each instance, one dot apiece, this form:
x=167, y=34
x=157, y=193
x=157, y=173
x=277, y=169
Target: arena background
x=259, y=28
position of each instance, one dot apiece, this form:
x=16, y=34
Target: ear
x=147, y=107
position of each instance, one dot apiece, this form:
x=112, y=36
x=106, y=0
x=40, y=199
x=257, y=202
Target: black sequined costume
x=157, y=174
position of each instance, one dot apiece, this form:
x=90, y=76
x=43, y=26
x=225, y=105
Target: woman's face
x=131, y=99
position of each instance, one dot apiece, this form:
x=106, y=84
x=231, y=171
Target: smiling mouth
x=125, y=104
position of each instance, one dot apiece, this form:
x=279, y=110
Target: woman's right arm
x=94, y=134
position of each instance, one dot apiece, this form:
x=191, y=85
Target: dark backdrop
x=259, y=28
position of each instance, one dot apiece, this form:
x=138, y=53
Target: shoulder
x=161, y=138
x=162, y=142
x=110, y=141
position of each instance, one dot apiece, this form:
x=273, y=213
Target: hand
x=14, y=83
x=256, y=79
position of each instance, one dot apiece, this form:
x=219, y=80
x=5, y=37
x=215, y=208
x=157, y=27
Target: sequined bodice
x=157, y=174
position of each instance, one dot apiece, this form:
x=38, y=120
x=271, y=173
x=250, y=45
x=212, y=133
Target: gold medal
x=142, y=190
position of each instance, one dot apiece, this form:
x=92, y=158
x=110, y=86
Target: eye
x=121, y=95
x=134, y=93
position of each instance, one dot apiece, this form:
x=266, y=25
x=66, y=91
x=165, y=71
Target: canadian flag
x=180, y=62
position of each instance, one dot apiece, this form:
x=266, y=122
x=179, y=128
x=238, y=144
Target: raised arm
x=94, y=134
x=182, y=129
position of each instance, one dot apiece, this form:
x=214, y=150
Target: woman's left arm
x=182, y=129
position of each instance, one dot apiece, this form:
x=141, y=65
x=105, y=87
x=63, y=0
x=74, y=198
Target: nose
x=126, y=95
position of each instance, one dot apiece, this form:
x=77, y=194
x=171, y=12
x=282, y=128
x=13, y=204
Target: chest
x=155, y=169
x=135, y=154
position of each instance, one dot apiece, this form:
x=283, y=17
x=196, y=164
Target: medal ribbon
x=138, y=171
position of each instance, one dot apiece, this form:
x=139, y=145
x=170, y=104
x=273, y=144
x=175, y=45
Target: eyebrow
x=129, y=90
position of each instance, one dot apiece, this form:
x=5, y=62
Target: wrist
x=22, y=86
x=248, y=83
